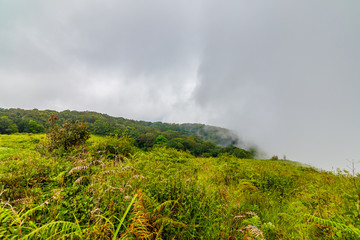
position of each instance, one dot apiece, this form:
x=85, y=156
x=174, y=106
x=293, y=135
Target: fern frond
x=140, y=225
x=334, y=224
x=55, y=230
x=108, y=221
x=164, y=221
x=6, y=215
x=22, y=216
x=164, y=204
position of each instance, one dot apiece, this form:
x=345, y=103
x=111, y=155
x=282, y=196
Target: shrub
x=69, y=135
x=110, y=147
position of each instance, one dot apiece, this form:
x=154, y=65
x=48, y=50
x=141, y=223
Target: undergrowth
x=105, y=188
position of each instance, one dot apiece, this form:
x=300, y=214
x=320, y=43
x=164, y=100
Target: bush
x=70, y=135
x=110, y=147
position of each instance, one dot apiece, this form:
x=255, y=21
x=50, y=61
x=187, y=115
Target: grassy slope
x=178, y=195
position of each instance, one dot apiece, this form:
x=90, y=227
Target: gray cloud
x=283, y=74
x=119, y=57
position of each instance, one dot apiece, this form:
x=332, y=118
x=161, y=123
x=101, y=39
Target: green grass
x=18, y=144
x=89, y=193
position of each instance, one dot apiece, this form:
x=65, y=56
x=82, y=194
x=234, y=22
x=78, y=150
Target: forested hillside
x=198, y=139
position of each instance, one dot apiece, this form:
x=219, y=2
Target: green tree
x=161, y=139
x=34, y=127
x=176, y=143
x=12, y=129
x=101, y=127
x=7, y=126
x=146, y=140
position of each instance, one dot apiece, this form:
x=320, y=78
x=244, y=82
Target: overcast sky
x=283, y=74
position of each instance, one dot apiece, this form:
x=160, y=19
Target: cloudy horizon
x=284, y=75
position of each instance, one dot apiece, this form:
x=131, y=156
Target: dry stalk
x=138, y=176
x=78, y=181
x=254, y=232
x=83, y=168
x=77, y=169
x=22, y=201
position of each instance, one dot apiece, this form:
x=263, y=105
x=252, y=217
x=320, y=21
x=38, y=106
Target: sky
x=282, y=74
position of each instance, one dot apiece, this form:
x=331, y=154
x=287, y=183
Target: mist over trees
x=198, y=139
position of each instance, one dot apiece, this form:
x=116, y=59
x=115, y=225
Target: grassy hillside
x=109, y=189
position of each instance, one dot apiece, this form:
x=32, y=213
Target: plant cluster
x=69, y=135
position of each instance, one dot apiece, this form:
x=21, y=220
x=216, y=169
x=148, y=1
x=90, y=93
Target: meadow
x=107, y=188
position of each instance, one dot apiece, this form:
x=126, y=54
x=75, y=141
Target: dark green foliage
x=237, y=152
x=176, y=143
x=34, y=127
x=112, y=147
x=101, y=127
x=161, y=139
x=7, y=126
x=220, y=136
x=146, y=140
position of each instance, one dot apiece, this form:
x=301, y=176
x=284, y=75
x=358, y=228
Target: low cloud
x=283, y=75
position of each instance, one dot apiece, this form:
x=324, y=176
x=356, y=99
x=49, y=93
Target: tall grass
x=108, y=189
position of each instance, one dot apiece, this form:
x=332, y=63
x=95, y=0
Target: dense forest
x=198, y=139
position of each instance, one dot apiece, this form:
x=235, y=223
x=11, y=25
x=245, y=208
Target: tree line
x=198, y=139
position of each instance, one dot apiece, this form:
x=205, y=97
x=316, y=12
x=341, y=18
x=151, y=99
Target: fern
x=140, y=226
x=163, y=205
x=164, y=221
x=56, y=230
x=16, y=225
x=123, y=217
x=334, y=224
x=149, y=224
x=6, y=215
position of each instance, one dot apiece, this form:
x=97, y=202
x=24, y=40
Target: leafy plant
x=71, y=134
